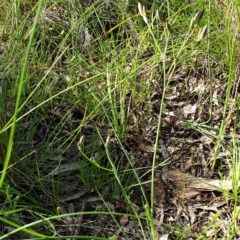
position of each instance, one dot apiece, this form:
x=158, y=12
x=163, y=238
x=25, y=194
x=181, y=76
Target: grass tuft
x=99, y=100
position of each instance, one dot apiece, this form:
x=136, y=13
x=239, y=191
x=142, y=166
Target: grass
x=101, y=84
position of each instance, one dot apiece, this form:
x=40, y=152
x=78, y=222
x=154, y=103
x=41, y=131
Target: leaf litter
x=187, y=191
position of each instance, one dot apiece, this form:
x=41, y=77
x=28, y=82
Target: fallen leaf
x=124, y=220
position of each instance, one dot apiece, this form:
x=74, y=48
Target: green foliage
x=78, y=83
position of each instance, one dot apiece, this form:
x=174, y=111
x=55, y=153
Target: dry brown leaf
x=212, y=185
x=124, y=220
x=188, y=186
